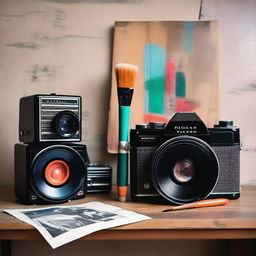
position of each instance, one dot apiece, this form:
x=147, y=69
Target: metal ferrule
x=125, y=96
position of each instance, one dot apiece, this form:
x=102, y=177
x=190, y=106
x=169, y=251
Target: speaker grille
x=229, y=175
x=49, y=107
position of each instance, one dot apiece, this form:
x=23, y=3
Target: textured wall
x=64, y=46
x=237, y=69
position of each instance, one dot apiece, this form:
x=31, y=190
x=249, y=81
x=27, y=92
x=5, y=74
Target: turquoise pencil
x=126, y=77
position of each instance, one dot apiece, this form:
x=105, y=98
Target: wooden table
x=236, y=220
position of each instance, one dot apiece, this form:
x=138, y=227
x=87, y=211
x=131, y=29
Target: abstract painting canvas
x=178, y=71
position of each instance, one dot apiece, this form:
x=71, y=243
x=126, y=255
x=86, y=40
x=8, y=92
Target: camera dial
x=142, y=126
x=225, y=123
x=157, y=125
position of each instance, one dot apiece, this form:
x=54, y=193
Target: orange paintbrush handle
x=203, y=203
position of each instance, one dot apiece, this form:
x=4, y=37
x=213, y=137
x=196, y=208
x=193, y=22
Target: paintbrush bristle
x=126, y=75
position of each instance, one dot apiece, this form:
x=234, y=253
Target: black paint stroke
x=23, y=14
x=85, y=114
x=46, y=39
x=42, y=73
x=236, y=92
x=251, y=87
x=200, y=15
x=59, y=17
x=60, y=38
x=14, y=16
x=251, y=149
x=29, y=45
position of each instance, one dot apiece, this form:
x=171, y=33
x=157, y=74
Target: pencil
x=199, y=204
x=126, y=77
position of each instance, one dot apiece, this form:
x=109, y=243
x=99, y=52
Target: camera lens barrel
x=57, y=186
x=66, y=123
x=184, y=169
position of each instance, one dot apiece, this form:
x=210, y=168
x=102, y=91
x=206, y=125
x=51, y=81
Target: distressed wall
x=64, y=46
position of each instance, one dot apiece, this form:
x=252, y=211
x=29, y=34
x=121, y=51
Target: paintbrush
x=125, y=77
x=198, y=204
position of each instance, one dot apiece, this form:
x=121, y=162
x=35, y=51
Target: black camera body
x=184, y=161
x=49, y=166
x=45, y=118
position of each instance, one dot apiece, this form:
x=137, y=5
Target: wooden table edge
x=142, y=234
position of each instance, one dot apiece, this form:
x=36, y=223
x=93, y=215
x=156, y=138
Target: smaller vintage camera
x=49, y=166
x=99, y=178
x=45, y=118
x=184, y=161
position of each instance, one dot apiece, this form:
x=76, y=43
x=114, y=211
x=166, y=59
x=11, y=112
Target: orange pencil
x=203, y=203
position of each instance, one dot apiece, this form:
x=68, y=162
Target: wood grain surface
x=236, y=220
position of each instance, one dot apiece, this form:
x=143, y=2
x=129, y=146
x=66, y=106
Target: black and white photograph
x=62, y=224
x=60, y=220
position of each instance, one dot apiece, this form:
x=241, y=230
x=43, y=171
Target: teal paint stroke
x=154, y=76
x=188, y=36
x=180, y=87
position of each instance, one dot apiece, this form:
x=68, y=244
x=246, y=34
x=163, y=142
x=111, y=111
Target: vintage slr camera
x=184, y=161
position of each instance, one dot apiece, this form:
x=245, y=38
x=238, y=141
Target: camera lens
x=66, y=123
x=57, y=173
x=184, y=169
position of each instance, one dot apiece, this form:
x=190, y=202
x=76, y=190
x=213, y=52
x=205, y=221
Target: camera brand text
x=185, y=129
